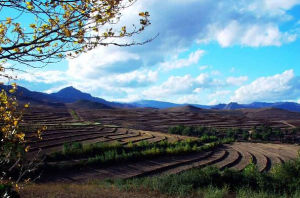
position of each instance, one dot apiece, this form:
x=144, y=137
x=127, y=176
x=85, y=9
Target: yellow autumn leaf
x=27, y=149
x=67, y=32
x=32, y=26
x=12, y=91
x=39, y=50
x=16, y=49
x=29, y=5
x=21, y=136
x=8, y=20
x=14, y=85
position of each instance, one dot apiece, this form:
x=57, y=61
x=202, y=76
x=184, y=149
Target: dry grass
x=81, y=191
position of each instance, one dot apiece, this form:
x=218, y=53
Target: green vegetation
x=102, y=154
x=74, y=115
x=266, y=133
x=193, y=131
x=282, y=180
x=202, y=131
x=257, y=133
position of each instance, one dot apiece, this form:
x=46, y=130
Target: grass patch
x=213, y=192
x=74, y=114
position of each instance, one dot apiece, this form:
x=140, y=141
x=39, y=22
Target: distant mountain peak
x=71, y=94
x=232, y=105
x=185, y=108
x=69, y=89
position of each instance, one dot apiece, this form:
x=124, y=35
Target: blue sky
x=207, y=52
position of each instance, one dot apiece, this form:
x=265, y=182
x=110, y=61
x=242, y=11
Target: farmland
x=162, y=119
x=136, y=131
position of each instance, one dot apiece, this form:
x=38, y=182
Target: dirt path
x=286, y=123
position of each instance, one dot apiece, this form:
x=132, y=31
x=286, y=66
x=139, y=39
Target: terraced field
x=236, y=156
x=64, y=127
x=132, y=126
x=161, y=120
x=55, y=137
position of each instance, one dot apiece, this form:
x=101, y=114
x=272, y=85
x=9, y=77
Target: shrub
x=245, y=135
x=214, y=192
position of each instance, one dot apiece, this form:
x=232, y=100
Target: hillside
x=66, y=95
x=271, y=113
x=86, y=104
x=71, y=95
x=186, y=108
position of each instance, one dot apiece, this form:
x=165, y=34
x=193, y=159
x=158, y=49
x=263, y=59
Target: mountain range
x=78, y=98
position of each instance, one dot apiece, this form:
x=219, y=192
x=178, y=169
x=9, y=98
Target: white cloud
x=219, y=96
x=190, y=99
x=237, y=81
x=127, y=72
x=280, y=4
x=253, y=23
x=253, y=35
x=102, y=61
x=193, y=58
x=183, y=85
x=174, y=85
x=216, y=73
x=112, y=86
x=47, y=77
x=285, y=86
x=204, y=67
x=134, y=79
x=213, y=102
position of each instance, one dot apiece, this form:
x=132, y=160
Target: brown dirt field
x=160, y=120
x=127, y=170
x=246, y=157
x=215, y=157
x=81, y=191
x=236, y=156
x=232, y=158
x=135, y=125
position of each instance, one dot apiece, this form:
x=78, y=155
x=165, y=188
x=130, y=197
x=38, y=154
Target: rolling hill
x=71, y=95
x=66, y=95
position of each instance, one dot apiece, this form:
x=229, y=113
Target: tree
x=55, y=29
x=43, y=32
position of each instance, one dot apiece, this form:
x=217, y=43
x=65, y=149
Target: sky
x=207, y=52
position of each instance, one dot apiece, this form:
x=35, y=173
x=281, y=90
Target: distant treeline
x=204, y=131
x=262, y=132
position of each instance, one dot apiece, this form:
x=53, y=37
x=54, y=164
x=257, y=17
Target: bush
x=245, y=135
x=193, y=131
x=73, y=147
